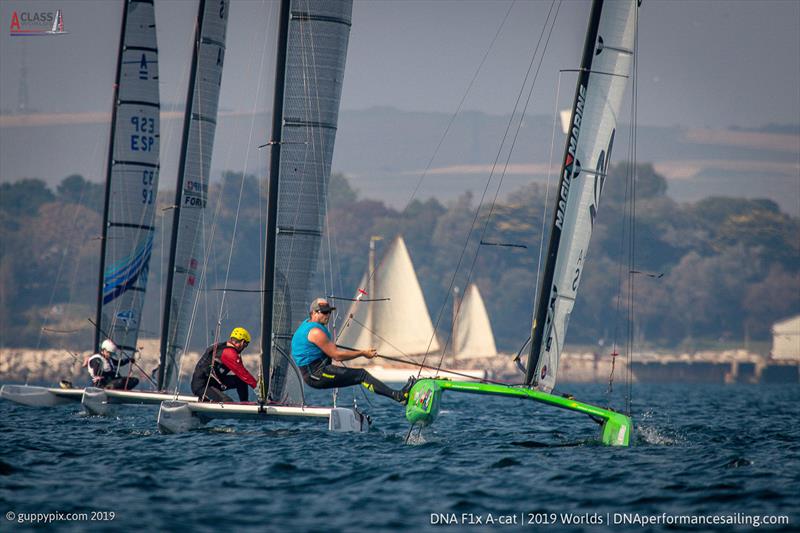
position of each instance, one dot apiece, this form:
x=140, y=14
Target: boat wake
x=654, y=436
x=537, y=444
x=416, y=438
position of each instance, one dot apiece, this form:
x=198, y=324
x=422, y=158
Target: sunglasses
x=325, y=312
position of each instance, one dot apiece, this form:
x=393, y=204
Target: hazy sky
x=705, y=63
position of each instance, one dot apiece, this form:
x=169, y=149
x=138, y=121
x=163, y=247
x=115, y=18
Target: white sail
x=132, y=181
x=399, y=326
x=472, y=331
x=316, y=51
x=192, y=193
x=605, y=68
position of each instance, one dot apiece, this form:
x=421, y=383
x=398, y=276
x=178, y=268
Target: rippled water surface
x=697, y=451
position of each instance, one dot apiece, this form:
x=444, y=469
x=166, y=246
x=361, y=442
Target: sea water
x=487, y=464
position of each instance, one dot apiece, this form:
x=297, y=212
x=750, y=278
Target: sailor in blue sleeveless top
x=304, y=351
x=314, y=350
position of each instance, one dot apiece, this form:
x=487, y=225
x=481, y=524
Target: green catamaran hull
x=425, y=397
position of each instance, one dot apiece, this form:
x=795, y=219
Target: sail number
x=148, y=176
x=143, y=140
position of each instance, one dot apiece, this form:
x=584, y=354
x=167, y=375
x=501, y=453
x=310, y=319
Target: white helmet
x=109, y=346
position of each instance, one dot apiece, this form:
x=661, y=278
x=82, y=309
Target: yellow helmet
x=240, y=334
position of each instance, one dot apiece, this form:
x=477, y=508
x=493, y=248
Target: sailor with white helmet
x=104, y=368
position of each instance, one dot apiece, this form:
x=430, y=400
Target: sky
x=705, y=66
x=702, y=63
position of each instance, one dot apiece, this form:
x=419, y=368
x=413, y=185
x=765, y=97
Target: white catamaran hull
x=181, y=416
x=101, y=401
x=39, y=396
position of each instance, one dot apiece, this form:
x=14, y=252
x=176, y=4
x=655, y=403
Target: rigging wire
x=494, y=165
x=214, y=222
x=634, y=113
x=422, y=365
x=449, y=125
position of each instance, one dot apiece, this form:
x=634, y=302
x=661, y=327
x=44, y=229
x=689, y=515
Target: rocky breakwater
x=48, y=367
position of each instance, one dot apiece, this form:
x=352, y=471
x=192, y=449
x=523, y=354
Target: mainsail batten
x=191, y=195
x=601, y=84
x=315, y=51
x=132, y=180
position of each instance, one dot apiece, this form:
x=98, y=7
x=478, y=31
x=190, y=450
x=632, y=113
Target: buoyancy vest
x=105, y=369
x=210, y=363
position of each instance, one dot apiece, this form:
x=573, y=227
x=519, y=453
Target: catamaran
x=191, y=196
x=312, y=47
x=131, y=187
x=605, y=66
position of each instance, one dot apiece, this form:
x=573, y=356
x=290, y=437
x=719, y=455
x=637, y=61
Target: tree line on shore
x=717, y=270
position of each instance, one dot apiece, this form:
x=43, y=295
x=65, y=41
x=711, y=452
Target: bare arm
x=322, y=341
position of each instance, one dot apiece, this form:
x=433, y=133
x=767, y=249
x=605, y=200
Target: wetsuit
x=220, y=368
x=319, y=373
x=108, y=372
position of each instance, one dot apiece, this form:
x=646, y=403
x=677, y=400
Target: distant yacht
x=399, y=326
x=472, y=332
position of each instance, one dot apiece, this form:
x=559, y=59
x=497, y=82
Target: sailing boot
x=402, y=394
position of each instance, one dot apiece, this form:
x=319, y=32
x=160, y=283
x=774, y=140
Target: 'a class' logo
x=37, y=23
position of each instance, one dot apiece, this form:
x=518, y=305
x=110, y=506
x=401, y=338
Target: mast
x=371, y=284
x=272, y=201
x=604, y=69
x=173, y=241
x=309, y=75
x=109, y=166
x=453, y=325
x=191, y=193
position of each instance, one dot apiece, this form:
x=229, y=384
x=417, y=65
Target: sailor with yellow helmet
x=220, y=368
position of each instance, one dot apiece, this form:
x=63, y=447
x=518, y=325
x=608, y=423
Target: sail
x=316, y=49
x=606, y=65
x=132, y=179
x=472, y=331
x=186, y=243
x=399, y=326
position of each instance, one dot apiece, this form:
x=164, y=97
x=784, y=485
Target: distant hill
x=384, y=152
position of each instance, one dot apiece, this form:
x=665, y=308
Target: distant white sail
x=132, y=180
x=605, y=67
x=399, y=326
x=192, y=193
x=472, y=331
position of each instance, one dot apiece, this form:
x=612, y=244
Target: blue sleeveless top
x=305, y=352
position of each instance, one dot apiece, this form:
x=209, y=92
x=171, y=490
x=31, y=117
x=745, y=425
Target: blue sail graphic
x=124, y=274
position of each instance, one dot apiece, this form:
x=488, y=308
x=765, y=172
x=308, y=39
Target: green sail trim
x=425, y=397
